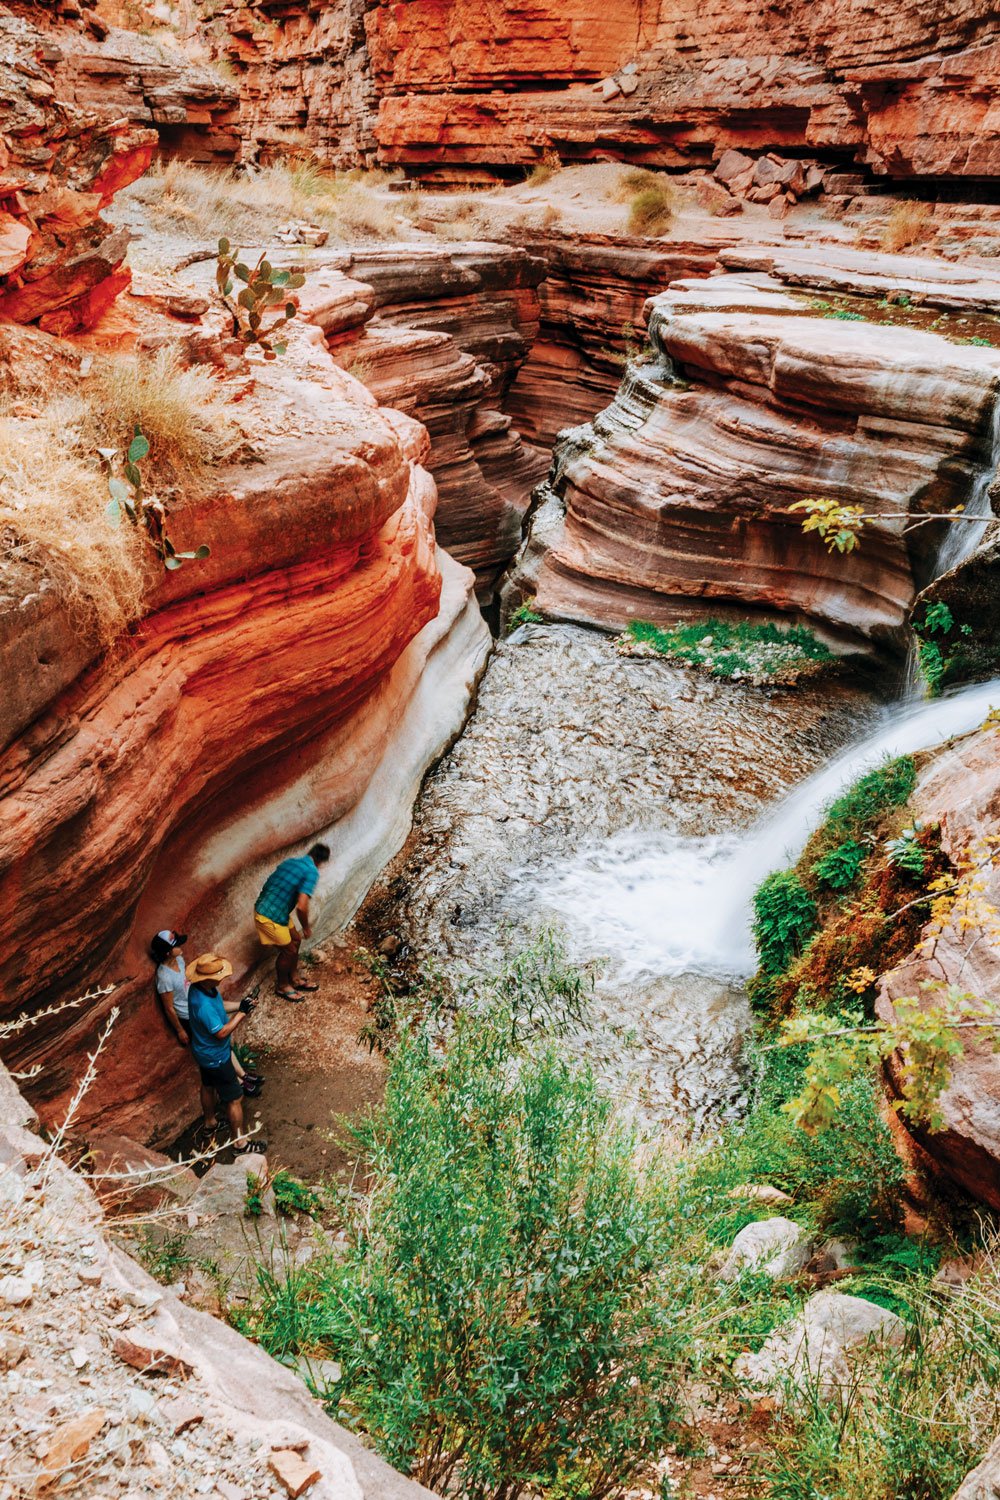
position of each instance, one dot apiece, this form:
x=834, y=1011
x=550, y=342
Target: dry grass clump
x=52, y=501
x=909, y=223
x=651, y=211
x=183, y=412
x=632, y=180
x=542, y=172
x=250, y=207
x=53, y=487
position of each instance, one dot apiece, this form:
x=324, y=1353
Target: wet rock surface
x=574, y=758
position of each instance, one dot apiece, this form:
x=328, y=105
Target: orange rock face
x=59, y=166
x=270, y=694
x=458, y=83
x=960, y=789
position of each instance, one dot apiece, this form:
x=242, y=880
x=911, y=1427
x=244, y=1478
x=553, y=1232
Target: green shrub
x=856, y=810
x=840, y=868
x=907, y=853
x=518, y=1300
x=292, y=1196
x=784, y=917
x=725, y=647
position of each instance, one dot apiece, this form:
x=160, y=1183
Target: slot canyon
x=506, y=498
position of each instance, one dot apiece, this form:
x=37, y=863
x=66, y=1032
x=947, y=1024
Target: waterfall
x=962, y=538
x=659, y=905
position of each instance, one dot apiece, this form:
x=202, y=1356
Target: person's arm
x=167, y=1001
x=302, y=912
x=230, y=1026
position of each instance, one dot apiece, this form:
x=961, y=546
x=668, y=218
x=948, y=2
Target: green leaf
x=119, y=490
x=264, y=269
x=224, y=246
x=138, y=448
x=227, y=290
x=281, y=278
x=290, y=310
x=295, y=281
x=133, y=476
x=280, y=348
x=113, y=511
x=203, y=551
x=246, y=299
x=242, y=271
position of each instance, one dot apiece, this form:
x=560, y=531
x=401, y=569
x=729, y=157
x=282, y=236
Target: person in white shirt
x=167, y=952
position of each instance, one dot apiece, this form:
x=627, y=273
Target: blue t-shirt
x=206, y=1016
x=282, y=888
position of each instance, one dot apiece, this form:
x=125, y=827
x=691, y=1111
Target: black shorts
x=223, y=1080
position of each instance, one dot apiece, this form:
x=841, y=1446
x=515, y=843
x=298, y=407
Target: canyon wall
x=758, y=395
x=122, y=76
x=295, y=684
x=960, y=790
x=463, y=86
x=440, y=332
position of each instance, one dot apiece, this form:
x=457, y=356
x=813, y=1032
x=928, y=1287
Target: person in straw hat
x=211, y=1031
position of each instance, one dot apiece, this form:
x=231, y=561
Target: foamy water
x=656, y=906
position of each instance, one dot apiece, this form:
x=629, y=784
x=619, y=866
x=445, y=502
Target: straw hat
x=209, y=966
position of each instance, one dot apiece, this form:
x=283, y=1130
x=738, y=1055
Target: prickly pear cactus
x=265, y=290
x=130, y=501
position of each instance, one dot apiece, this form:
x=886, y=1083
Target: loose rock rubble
x=110, y=1387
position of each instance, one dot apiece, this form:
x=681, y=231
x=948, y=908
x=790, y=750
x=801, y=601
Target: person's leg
x=288, y=958
x=234, y=1110
x=208, y=1107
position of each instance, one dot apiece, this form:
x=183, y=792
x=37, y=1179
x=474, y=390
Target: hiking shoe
x=252, y=1087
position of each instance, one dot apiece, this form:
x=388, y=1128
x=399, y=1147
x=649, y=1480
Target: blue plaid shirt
x=292, y=878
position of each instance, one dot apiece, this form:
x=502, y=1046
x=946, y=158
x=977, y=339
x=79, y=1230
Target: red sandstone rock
x=679, y=495
x=61, y=165
x=960, y=789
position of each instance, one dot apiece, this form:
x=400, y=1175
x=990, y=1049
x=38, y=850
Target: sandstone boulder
x=819, y=1348
x=775, y=1247
x=983, y=1482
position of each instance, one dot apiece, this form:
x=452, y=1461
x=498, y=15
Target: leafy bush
x=907, y=853
x=514, y=1311
x=525, y=614
x=784, y=917
x=292, y=1196
x=856, y=810
x=840, y=868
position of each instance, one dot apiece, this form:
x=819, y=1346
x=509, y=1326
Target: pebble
x=16, y=1291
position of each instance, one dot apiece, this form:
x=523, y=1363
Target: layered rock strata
x=679, y=496
x=590, y=320
x=441, y=332
x=462, y=87
x=960, y=790
x=61, y=264
x=116, y=73
x=297, y=682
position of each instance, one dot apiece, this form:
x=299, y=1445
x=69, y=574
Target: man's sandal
x=291, y=995
x=308, y=989
x=252, y=1148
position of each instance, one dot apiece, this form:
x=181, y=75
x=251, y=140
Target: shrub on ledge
x=757, y=651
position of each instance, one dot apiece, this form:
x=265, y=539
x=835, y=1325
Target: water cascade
x=660, y=906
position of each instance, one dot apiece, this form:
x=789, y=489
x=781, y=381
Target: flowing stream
x=663, y=906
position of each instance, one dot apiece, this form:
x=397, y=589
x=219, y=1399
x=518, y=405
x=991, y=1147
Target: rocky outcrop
x=119, y=74
x=303, y=76
x=590, y=320
x=679, y=496
x=300, y=680
x=461, y=87
x=61, y=264
x=819, y=1351
x=440, y=332
x=100, y=1360
x=983, y=1482
x=960, y=789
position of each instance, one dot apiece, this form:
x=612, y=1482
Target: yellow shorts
x=272, y=934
